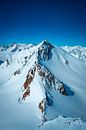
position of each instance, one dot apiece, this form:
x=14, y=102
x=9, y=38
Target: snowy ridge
x=44, y=85
x=77, y=51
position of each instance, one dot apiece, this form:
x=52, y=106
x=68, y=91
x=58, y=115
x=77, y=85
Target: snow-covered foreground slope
x=41, y=87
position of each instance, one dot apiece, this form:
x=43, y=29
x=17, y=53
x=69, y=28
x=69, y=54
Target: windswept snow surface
x=67, y=113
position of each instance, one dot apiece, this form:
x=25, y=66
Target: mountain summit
x=44, y=80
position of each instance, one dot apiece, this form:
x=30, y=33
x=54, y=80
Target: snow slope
x=58, y=82
x=77, y=51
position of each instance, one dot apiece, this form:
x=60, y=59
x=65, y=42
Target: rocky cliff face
x=45, y=51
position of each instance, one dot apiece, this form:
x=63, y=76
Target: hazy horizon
x=35, y=43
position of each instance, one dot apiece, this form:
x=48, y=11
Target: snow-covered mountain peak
x=46, y=42
x=46, y=78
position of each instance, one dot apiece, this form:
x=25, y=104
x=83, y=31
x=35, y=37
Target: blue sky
x=61, y=22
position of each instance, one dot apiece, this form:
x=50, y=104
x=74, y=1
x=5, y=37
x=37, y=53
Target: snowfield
x=42, y=87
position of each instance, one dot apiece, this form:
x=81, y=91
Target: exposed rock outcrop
x=26, y=93
x=17, y=72
x=62, y=90
x=26, y=85
x=45, y=51
x=42, y=105
x=7, y=62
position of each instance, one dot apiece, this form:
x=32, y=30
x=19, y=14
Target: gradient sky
x=61, y=22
